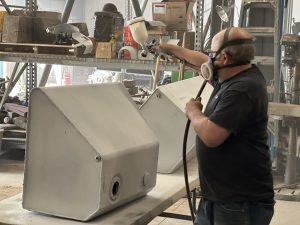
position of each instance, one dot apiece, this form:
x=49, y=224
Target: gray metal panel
x=105, y=106
x=58, y=161
x=164, y=112
x=83, y=145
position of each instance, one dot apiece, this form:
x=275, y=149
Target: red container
x=128, y=41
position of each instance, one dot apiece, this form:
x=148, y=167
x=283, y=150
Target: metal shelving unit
x=88, y=62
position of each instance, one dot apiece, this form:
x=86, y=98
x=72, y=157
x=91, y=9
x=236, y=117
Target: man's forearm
x=210, y=133
x=190, y=56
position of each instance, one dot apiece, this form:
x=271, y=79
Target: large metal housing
x=164, y=112
x=88, y=151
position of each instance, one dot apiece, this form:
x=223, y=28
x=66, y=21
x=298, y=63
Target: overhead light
x=223, y=12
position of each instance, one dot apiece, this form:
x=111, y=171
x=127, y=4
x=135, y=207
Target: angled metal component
x=93, y=159
x=67, y=11
x=137, y=8
x=6, y=7
x=164, y=113
x=8, y=89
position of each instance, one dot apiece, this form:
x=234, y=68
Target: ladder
x=258, y=17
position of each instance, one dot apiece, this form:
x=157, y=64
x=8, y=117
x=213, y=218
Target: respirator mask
x=209, y=71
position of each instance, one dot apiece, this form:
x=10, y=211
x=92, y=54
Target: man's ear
x=225, y=57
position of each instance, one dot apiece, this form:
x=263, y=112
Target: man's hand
x=158, y=49
x=193, y=106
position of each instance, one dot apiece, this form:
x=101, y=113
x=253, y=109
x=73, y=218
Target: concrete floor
x=286, y=213
x=11, y=181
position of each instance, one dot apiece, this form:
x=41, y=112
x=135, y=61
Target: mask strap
x=233, y=65
x=226, y=36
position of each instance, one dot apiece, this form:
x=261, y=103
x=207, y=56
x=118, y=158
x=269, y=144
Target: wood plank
x=282, y=109
x=41, y=48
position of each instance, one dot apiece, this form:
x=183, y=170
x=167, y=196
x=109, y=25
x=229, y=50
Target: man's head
x=231, y=52
x=233, y=45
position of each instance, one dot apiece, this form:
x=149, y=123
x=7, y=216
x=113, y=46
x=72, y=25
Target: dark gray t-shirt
x=240, y=168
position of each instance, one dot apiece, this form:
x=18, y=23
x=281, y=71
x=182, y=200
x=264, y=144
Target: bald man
x=233, y=155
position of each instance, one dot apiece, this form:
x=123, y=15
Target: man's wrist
x=195, y=113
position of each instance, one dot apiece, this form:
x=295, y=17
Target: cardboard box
x=17, y=29
x=176, y=15
x=39, y=34
x=156, y=27
x=189, y=38
x=104, y=50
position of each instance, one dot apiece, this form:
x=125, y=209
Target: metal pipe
x=14, y=6
x=6, y=6
x=277, y=65
x=277, y=49
x=137, y=8
x=7, y=91
x=143, y=5
x=14, y=82
x=290, y=15
x=182, y=63
x=156, y=73
x=215, y=20
x=287, y=19
x=45, y=75
x=290, y=169
x=205, y=31
x=67, y=11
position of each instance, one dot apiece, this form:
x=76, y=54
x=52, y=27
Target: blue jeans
x=245, y=213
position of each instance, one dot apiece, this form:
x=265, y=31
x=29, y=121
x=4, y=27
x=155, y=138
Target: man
x=234, y=162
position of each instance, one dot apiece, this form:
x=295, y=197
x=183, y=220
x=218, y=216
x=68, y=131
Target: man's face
x=215, y=45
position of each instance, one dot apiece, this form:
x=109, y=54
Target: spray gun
x=139, y=33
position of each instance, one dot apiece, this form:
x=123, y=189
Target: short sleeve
x=233, y=111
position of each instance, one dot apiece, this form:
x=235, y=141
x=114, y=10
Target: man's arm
x=193, y=57
x=209, y=132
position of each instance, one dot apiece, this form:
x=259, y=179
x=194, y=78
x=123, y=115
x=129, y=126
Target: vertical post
x=216, y=23
x=128, y=10
x=30, y=78
x=277, y=49
x=156, y=73
x=182, y=63
x=288, y=15
x=231, y=4
x=199, y=25
x=277, y=65
x=290, y=170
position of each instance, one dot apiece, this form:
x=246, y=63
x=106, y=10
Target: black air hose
x=186, y=178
